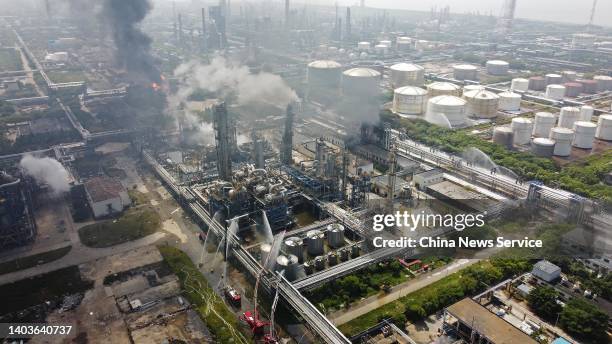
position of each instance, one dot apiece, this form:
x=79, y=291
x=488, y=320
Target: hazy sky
x=571, y=11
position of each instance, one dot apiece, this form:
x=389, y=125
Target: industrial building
x=106, y=196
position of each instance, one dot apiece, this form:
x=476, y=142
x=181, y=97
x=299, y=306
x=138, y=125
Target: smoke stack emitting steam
x=46, y=171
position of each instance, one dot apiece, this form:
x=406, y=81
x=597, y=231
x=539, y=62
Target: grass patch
x=66, y=76
x=221, y=322
x=135, y=223
x=10, y=60
x=33, y=260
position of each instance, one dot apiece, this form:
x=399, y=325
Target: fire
x=155, y=86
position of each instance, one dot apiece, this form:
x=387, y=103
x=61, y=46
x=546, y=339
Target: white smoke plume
x=48, y=171
x=223, y=77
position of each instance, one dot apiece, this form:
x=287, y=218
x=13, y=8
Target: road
x=376, y=301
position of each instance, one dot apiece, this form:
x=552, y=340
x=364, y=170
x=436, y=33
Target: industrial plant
x=305, y=172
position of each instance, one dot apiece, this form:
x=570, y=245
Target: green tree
x=585, y=321
x=543, y=301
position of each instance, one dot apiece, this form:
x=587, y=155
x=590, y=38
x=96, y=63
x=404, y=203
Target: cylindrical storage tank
x=295, y=246
x=537, y=83
x=355, y=251
x=289, y=264
x=509, y=101
x=407, y=74
x=563, y=140
x=409, y=100
x=569, y=115
x=481, y=103
x=544, y=121
x=553, y=79
x=332, y=259
x=386, y=43
x=344, y=254
x=360, y=82
x=315, y=241
x=519, y=84
x=586, y=113
x=319, y=263
x=335, y=235
x=465, y=72
x=497, y=67
x=542, y=147
x=421, y=44
x=521, y=128
x=443, y=88
x=503, y=136
x=380, y=49
x=604, y=127
x=588, y=86
x=569, y=75
x=264, y=251
x=309, y=267
x=363, y=46
x=450, y=106
x=584, y=134
x=556, y=92
x=324, y=77
x=404, y=45
x=469, y=88
x=604, y=83
x=573, y=89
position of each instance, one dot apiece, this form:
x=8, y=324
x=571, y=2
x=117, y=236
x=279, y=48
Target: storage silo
x=421, y=44
x=569, y=115
x=553, y=79
x=569, y=75
x=314, y=242
x=465, y=72
x=573, y=89
x=563, y=140
x=363, y=46
x=497, y=67
x=543, y=147
x=509, y=101
x=360, y=82
x=380, y=49
x=544, y=121
x=588, y=86
x=404, y=45
x=469, y=88
x=453, y=108
x=556, y=92
x=586, y=113
x=295, y=246
x=409, y=100
x=521, y=129
x=503, y=136
x=519, y=84
x=604, y=127
x=443, y=88
x=584, y=134
x=407, y=74
x=386, y=43
x=537, y=83
x=290, y=265
x=604, y=83
x=319, y=263
x=335, y=235
x=481, y=103
x=324, y=78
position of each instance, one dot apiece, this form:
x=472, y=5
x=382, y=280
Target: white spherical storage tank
x=443, y=88
x=569, y=115
x=481, y=103
x=519, y=84
x=586, y=113
x=363, y=46
x=450, y=106
x=604, y=127
x=509, y=101
x=465, y=72
x=521, y=128
x=407, y=74
x=556, y=92
x=360, y=82
x=563, y=138
x=409, y=100
x=584, y=134
x=544, y=121
x=497, y=67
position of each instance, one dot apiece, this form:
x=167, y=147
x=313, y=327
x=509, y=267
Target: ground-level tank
x=553, y=79
x=469, y=88
x=563, y=138
x=344, y=254
x=586, y=113
x=453, y=108
x=355, y=251
x=503, y=136
x=443, y=88
x=588, y=86
x=584, y=134
x=407, y=74
x=542, y=147
x=573, y=89
x=569, y=115
x=481, y=103
x=319, y=263
x=509, y=101
x=519, y=84
x=309, y=267
x=465, y=72
x=295, y=246
x=497, y=67
x=409, y=100
x=335, y=235
x=332, y=259
x=521, y=128
x=569, y=75
x=315, y=242
x=289, y=264
x=555, y=92
x=360, y=82
x=604, y=83
x=544, y=121
x=537, y=83
x=363, y=46
x=604, y=128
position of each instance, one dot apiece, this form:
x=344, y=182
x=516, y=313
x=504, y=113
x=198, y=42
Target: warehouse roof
x=103, y=188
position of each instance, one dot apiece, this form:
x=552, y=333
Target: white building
x=106, y=196
x=424, y=179
x=546, y=271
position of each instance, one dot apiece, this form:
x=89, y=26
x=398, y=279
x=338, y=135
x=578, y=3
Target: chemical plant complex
x=289, y=172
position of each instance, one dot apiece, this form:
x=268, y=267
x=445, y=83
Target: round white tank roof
x=560, y=130
x=447, y=100
x=481, y=94
x=552, y=75
x=324, y=64
x=509, y=94
x=544, y=115
x=465, y=67
x=544, y=141
x=361, y=73
x=446, y=86
x=556, y=86
x=498, y=62
x=406, y=67
x=410, y=91
x=585, y=124
x=521, y=120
